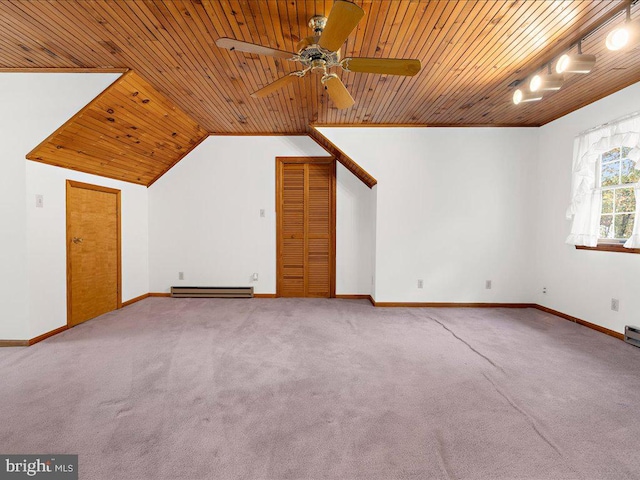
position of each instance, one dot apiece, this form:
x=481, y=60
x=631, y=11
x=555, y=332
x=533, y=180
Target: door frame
x=280, y=162
x=98, y=188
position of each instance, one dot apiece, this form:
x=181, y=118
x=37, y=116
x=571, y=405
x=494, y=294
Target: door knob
x=77, y=240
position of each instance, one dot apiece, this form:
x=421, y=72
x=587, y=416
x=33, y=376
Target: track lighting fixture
x=550, y=81
x=576, y=62
x=625, y=35
x=520, y=96
x=619, y=38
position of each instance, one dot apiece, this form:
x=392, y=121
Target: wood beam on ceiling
x=342, y=157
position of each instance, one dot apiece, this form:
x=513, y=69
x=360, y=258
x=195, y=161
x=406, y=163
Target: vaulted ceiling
x=129, y=132
x=472, y=52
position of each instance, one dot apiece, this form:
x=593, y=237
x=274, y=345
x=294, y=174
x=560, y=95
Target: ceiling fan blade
x=342, y=20
x=273, y=86
x=389, y=66
x=338, y=92
x=237, y=45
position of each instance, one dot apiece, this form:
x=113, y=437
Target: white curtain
x=634, y=239
x=586, y=199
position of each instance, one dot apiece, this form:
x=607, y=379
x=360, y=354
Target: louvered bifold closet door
x=293, y=242
x=318, y=234
x=306, y=240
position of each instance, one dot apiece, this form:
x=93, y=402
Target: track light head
x=623, y=36
x=551, y=81
x=575, y=63
x=520, y=96
x=534, y=83
x=562, y=64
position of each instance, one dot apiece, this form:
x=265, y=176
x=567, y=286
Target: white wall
x=204, y=217
x=355, y=234
x=13, y=237
x=453, y=209
x=33, y=106
x=46, y=235
x=579, y=282
x=32, y=244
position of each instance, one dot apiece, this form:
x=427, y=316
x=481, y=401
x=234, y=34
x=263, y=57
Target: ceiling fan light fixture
x=575, y=63
x=624, y=36
x=551, y=81
x=520, y=96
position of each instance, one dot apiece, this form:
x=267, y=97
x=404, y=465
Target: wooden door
x=93, y=251
x=306, y=218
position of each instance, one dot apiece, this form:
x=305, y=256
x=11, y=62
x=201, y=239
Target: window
x=605, y=187
x=617, y=174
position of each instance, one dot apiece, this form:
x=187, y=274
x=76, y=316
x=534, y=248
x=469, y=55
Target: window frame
x=613, y=244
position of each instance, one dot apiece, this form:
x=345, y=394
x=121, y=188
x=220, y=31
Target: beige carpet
x=301, y=389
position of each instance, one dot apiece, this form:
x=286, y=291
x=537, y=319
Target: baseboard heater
x=632, y=335
x=212, y=292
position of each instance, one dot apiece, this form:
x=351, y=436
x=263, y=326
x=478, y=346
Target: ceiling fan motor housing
x=311, y=53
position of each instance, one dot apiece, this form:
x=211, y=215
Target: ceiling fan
x=321, y=51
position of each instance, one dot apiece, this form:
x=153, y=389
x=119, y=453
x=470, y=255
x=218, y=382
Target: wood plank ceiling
x=129, y=132
x=471, y=52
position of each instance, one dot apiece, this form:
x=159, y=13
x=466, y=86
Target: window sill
x=610, y=247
